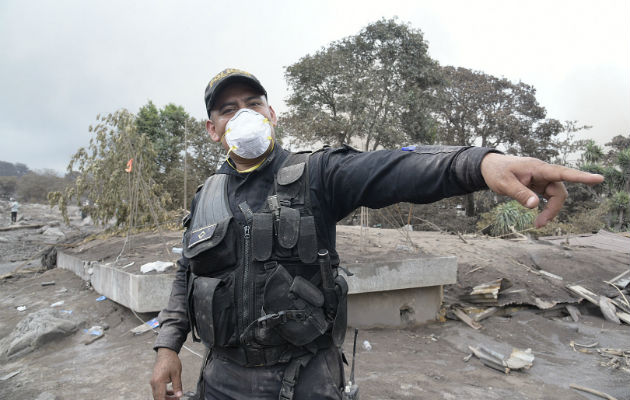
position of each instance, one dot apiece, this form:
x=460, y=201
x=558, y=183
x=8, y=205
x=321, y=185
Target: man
x=259, y=279
x=15, y=206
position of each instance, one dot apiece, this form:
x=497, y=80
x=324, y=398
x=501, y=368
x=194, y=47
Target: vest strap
x=262, y=236
x=291, y=375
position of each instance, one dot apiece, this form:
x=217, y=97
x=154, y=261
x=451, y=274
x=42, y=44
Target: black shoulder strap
x=213, y=205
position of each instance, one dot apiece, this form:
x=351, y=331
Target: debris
x=158, y=266
x=544, y=305
x=608, y=309
x=621, y=281
x=468, y=357
x=96, y=330
x=51, y=283
x=101, y=298
x=57, y=304
x=367, y=346
x=461, y=238
x=550, y=275
x=595, y=299
x=519, y=359
x=128, y=265
x=459, y=313
x=177, y=250
x=20, y=308
x=582, y=347
x=591, y=391
x=66, y=311
x=573, y=312
x=486, y=313
x=10, y=375
x=145, y=327
x=93, y=339
x=14, y=227
x=490, y=358
x=475, y=269
x=62, y=290
x=488, y=293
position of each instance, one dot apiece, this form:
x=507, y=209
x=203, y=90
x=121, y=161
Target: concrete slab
x=398, y=293
x=381, y=294
x=141, y=293
x=402, y=274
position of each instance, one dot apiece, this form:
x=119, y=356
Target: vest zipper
x=247, y=285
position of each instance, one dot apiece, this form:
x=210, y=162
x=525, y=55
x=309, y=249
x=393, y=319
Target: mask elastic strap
x=273, y=145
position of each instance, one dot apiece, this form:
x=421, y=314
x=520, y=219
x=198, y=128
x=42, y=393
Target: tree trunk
x=470, y=205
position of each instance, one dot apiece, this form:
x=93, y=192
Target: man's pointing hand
x=524, y=178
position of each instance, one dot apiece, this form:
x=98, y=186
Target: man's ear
x=274, y=119
x=212, y=131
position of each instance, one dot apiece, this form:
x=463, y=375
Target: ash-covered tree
x=115, y=189
x=370, y=88
x=475, y=108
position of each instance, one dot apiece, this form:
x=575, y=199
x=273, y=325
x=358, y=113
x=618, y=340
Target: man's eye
x=227, y=111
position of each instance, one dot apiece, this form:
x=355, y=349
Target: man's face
x=230, y=100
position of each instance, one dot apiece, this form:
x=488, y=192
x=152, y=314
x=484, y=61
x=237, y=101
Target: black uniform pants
x=321, y=379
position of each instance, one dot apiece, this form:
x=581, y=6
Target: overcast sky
x=64, y=62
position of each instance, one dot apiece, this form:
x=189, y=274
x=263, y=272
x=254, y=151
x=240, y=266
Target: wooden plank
x=459, y=313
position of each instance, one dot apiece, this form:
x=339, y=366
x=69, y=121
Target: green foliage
x=619, y=201
x=506, y=218
x=179, y=141
x=372, y=87
x=592, y=152
x=130, y=198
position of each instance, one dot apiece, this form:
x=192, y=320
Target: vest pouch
x=340, y=323
x=211, y=249
x=211, y=309
x=301, y=322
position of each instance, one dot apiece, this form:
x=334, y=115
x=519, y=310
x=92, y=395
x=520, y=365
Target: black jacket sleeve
x=174, y=325
x=344, y=179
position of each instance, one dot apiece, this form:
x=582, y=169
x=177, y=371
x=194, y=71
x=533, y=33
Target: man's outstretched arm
x=524, y=178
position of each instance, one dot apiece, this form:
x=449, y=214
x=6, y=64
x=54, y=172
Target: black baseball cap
x=225, y=77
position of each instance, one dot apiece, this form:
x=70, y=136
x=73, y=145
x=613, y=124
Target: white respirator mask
x=248, y=134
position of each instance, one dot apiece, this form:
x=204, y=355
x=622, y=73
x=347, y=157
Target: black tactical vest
x=255, y=291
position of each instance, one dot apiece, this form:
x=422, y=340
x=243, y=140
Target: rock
x=46, y=396
x=37, y=329
x=53, y=232
x=4, y=240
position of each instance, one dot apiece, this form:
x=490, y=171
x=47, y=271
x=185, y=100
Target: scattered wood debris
x=461, y=314
x=592, y=391
x=487, y=293
x=606, y=305
x=621, y=281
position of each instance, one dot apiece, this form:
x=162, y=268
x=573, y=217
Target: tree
x=371, y=87
x=474, y=108
x=569, y=145
x=115, y=175
x=34, y=186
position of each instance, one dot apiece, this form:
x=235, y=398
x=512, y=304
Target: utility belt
x=296, y=318
x=268, y=356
